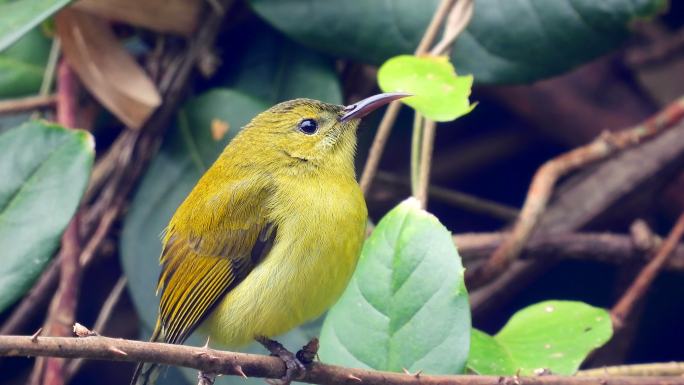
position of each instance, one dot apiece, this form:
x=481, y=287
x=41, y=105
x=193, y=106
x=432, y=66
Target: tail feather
x=147, y=373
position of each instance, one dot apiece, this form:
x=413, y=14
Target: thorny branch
x=251, y=365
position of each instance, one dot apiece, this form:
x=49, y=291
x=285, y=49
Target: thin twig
x=641, y=370
x=545, y=178
x=621, y=311
x=223, y=362
x=28, y=103
x=458, y=20
x=378, y=146
x=440, y=14
x=385, y=127
x=459, y=199
x=427, y=144
x=100, y=323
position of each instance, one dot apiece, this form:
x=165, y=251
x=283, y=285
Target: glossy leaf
x=20, y=16
x=22, y=65
x=507, y=41
x=439, y=94
x=406, y=305
x=45, y=169
x=552, y=335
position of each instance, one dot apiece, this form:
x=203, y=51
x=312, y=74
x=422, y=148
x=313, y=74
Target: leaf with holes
x=439, y=93
x=45, y=169
x=506, y=41
x=406, y=305
x=552, y=335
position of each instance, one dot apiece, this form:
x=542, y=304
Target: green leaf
x=22, y=65
x=267, y=69
x=20, y=16
x=45, y=169
x=506, y=41
x=406, y=305
x=553, y=335
x=439, y=94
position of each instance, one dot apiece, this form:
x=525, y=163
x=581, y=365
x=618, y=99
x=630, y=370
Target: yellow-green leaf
x=440, y=94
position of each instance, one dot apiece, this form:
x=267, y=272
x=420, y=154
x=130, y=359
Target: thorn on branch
x=34, y=336
x=354, y=378
x=238, y=370
x=117, y=351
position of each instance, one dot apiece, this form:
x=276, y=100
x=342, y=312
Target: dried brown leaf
x=105, y=67
x=173, y=16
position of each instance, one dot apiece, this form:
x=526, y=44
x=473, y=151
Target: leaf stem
x=416, y=145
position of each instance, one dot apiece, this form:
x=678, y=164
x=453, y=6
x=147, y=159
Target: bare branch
x=544, y=180
x=637, y=290
x=223, y=362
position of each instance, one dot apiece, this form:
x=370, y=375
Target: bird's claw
x=294, y=368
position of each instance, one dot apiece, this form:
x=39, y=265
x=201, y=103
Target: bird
x=270, y=235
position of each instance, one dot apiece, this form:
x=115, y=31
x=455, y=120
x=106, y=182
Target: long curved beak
x=364, y=107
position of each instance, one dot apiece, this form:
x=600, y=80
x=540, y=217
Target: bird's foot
x=295, y=364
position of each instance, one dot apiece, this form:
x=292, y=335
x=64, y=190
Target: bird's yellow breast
x=320, y=230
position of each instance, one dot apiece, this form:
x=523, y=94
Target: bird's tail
x=146, y=373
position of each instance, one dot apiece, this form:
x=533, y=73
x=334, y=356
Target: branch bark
x=600, y=247
x=544, y=180
x=251, y=365
x=637, y=290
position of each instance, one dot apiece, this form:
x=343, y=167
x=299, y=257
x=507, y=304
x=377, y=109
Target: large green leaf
x=507, y=40
x=19, y=16
x=44, y=170
x=22, y=65
x=273, y=68
x=406, y=305
x=553, y=335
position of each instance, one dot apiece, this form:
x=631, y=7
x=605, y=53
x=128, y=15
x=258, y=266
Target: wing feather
x=200, y=267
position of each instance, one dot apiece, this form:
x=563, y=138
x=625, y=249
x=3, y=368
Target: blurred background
x=549, y=77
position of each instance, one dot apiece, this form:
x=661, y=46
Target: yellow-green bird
x=271, y=233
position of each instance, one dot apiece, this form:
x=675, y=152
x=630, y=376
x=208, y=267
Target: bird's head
x=310, y=133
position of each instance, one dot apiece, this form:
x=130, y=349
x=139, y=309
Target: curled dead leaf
x=105, y=67
x=173, y=16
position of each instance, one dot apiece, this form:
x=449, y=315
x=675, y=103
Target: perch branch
x=643, y=370
x=638, y=288
x=251, y=365
x=545, y=178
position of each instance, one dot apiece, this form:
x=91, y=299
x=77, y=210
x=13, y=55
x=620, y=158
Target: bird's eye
x=308, y=126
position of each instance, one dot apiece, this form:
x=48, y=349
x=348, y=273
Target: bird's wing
x=210, y=246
